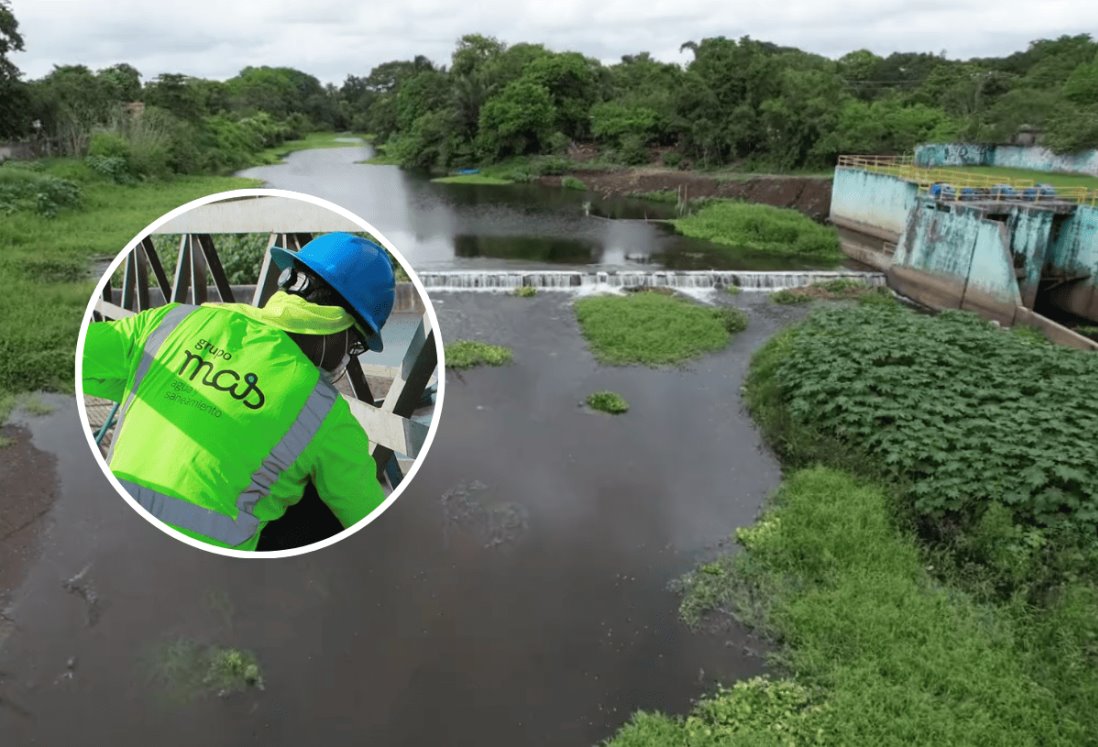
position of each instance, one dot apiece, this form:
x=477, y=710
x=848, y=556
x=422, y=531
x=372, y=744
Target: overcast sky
x=333, y=38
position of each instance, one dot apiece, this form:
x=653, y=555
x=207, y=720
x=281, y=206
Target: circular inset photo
x=259, y=373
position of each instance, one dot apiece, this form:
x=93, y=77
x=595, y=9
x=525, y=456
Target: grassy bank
x=654, y=329
x=761, y=228
x=312, y=141
x=472, y=179
x=935, y=582
x=45, y=259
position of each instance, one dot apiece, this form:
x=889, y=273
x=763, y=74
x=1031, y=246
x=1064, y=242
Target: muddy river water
x=517, y=593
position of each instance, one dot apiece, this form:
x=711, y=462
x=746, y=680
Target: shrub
x=610, y=402
x=525, y=291
x=29, y=189
x=571, y=182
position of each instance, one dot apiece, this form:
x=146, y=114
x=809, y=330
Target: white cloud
x=329, y=39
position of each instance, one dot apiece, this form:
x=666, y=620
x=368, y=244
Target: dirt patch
x=809, y=195
x=30, y=488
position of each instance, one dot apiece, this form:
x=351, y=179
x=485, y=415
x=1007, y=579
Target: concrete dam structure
x=997, y=249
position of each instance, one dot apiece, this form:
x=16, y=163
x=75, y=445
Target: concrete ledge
x=865, y=228
x=1057, y=333
x=936, y=291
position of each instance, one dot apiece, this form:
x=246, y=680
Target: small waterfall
x=568, y=280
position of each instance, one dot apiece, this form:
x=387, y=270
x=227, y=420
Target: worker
x=228, y=411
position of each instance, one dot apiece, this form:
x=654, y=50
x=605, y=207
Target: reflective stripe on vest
x=209, y=523
x=167, y=325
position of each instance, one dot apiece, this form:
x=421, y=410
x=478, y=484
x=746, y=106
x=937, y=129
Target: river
x=462, y=226
x=516, y=594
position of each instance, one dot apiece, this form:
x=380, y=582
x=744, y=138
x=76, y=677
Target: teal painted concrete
x=1072, y=253
x=875, y=200
x=1030, y=232
x=1034, y=158
x=963, y=246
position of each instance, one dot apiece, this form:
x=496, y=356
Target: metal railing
x=963, y=185
x=389, y=423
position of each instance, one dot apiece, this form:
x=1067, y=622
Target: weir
x=956, y=240
x=567, y=280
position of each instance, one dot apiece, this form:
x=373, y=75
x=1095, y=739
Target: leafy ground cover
x=654, y=329
x=761, y=228
x=471, y=353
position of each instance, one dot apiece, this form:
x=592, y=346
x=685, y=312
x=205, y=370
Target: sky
x=332, y=39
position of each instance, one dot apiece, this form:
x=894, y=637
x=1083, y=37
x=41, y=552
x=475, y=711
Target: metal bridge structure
x=394, y=403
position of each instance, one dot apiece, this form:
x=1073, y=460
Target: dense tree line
x=736, y=102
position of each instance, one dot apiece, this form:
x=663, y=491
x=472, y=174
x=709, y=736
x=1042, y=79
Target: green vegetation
x=1088, y=330
x=653, y=329
x=33, y=405
x=46, y=262
x=668, y=196
x=526, y=291
x=995, y=468
x=610, y=402
x=311, y=141
x=1040, y=177
x=733, y=290
x=470, y=353
x=874, y=649
x=189, y=670
x=839, y=289
x=940, y=588
x=788, y=297
x=761, y=228
x=571, y=182
x=472, y=179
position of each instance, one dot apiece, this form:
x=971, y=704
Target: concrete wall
x=876, y=204
x=1074, y=252
x=1035, y=158
x=16, y=151
x=957, y=259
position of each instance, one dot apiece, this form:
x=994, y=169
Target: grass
x=526, y=291
x=761, y=228
x=733, y=290
x=46, y=262
x=312, y=141
x=472, y=179
x=470, y=353
x=1040, y=177
x=871, y=648
x=610, y=402
x=653, y=329
x=571, y=182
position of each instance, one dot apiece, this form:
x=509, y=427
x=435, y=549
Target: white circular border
x=218, y=197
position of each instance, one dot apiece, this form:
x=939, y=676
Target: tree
x=14, y=96
x=517, y=120
x=71, y=101
x=122, y=82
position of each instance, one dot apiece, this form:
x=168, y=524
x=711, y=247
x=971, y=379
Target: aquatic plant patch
x=470, y=353
x=571, y=182
x=788, y=297
x=654, y=329
x=526, y=291
x=761, y=228
x=610, y=402
x=961, y=415
x=188, y=670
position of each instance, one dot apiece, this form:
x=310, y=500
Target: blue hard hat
x=357, y=269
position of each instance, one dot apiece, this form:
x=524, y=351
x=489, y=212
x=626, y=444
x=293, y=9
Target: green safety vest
x=224, y=421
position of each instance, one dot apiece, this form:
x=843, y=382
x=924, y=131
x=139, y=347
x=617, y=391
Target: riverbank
x=47, y=250
x=922, y=589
